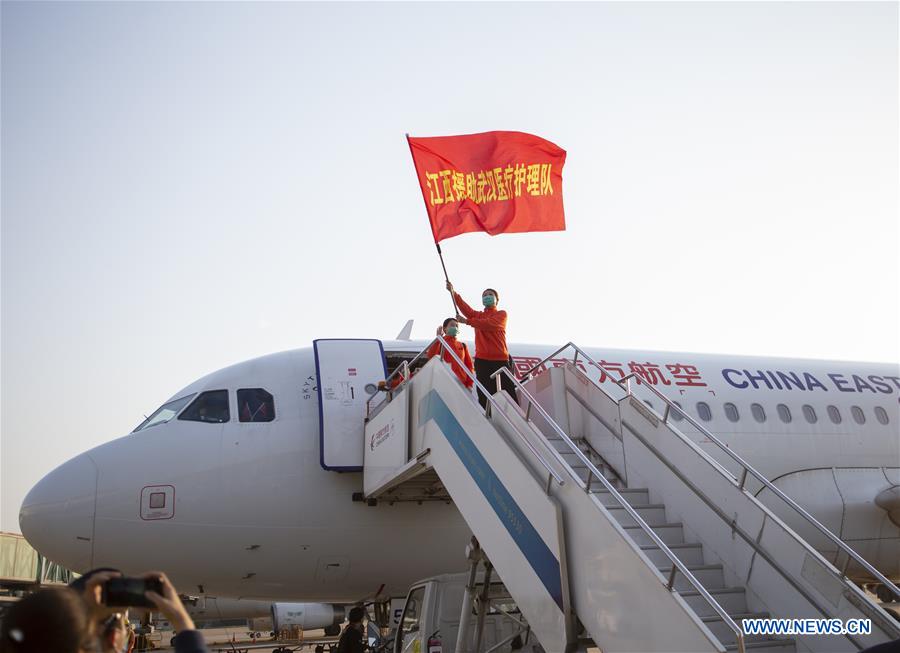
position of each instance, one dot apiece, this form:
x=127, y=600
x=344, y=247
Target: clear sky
x=185, y=186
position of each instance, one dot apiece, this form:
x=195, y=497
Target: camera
x=129, y=592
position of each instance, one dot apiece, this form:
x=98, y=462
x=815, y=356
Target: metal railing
x=747, y=468
x=407, y=366
x=405, y=375
x=677, y=564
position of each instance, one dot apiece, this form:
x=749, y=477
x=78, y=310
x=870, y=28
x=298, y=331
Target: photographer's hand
x=169, y=604
x=93, y=593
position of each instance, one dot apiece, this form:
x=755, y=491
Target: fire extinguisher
x=434, y=643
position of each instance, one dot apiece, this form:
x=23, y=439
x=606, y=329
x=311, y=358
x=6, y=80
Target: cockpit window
x=164, y=413
x=211, y=407
x=255, y=405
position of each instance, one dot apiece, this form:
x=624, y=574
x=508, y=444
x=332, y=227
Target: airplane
x=235, y=486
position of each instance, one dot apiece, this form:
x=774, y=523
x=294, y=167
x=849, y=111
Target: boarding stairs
x=606, y=523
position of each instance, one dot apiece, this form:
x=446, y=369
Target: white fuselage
x=256, y=515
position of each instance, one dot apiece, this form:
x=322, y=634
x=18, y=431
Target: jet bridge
x=604, y=521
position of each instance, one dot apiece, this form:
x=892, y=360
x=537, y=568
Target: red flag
x=498, y=182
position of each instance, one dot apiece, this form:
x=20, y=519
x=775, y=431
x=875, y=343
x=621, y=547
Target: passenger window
x=784, y=413
x=164, y=413
x=858, y=415
x=810, y=414
x=881, y=415
x=759, y=413
x=255, y=405
x=210, y=407
x=412, y=614
x=731, y=412
x=703, y=411
x=834, y=415
x=676, y=415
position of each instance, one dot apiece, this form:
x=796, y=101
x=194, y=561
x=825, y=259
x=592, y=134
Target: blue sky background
x=187, y=185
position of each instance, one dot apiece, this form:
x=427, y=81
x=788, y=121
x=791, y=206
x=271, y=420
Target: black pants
x=484, y=369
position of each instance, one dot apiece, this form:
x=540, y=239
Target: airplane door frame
x=346, y=371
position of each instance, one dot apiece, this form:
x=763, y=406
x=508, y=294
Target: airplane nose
x=57, y=516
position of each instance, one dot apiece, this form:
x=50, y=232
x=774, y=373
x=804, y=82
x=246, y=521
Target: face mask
x=488, y=300
x=452, y=331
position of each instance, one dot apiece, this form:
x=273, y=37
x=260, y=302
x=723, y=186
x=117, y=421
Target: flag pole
x=436, y=243
x=452, y=296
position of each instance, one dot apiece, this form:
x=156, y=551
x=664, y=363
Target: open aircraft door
x=345, y=368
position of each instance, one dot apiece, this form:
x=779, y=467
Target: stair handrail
x=403, y=371
x=677, y=564
x=493, y=402
x=625, y=384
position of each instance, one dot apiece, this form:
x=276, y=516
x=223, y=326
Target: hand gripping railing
x=747, y=468
x=677, y=565
x=405, y=369
x=404, y=372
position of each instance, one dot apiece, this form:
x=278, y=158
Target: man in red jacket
x=449, y=331
x=490, y=340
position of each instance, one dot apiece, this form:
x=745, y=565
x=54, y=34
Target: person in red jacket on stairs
x=490, y=340
x=448, y=331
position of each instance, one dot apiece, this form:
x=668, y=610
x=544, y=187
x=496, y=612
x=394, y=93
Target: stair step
x=560, y=445
x=767, y=646
x=689, y=554
x=573, y=461
x=668, y=533
x=582, y=473
x=595, y=483
x=636, y=497
x=732, y=599
x=725, y=635
x=597, y=459
x=709, y=576
x=652, y=513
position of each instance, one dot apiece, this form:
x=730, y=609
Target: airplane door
x=344, y=368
